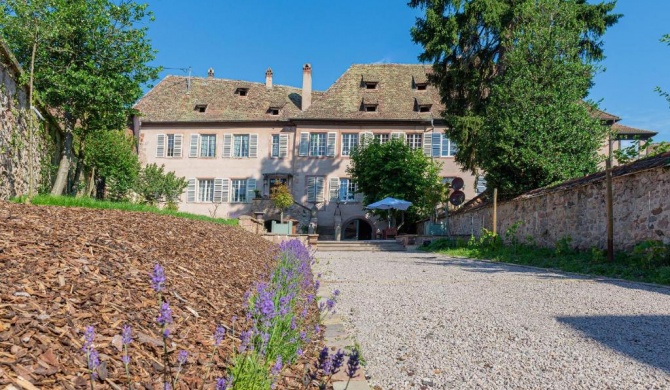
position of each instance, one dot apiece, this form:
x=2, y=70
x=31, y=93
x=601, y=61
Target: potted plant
x=282, y=199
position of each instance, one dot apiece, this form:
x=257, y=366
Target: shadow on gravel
x=645, y=338
x=492, y=268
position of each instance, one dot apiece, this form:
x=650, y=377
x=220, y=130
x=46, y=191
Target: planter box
x=282, y=228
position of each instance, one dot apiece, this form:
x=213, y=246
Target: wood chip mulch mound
x=62, y=269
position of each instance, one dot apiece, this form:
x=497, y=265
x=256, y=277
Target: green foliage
x=512, y=74
x=249, y=372
x=70, y=201
x=637, y=149
x=665, y=94
x=510, y=233
x=111, y=153
x=489, y=240
x=393, y=169
x=281, y=198
x=564, y=246
x=154, y=185
x=648, y=262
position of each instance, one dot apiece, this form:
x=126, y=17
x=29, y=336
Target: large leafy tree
x=393, y=169
x=481, y=47
x=90, y=66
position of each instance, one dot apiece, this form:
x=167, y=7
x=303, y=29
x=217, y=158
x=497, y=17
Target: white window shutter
x=311, y=189
x=427, y=145
x=437, y=143
x=160, y=145
x=332, y=140
x=399, y=135
x=195, y=143
x=253, y=146
x=319, y=188
x=334, y=187
x=227, y=145
x=283, y=145
x=225, y=190
x=304, y=144
x=190, y=191
x=218, y=186
x=251, y=187
x=178, y=145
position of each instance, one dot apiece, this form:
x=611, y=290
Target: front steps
x=361, y=246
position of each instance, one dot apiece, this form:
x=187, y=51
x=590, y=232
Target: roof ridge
x=233, y=80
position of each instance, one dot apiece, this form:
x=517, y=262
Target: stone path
x=426, y=321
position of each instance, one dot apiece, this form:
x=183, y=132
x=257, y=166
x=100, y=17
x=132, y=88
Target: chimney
x=268, y=78
x=210, y=73
x=306, y=86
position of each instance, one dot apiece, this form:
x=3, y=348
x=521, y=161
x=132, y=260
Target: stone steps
x=360, y=246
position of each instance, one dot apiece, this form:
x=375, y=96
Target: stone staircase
x=364, y=246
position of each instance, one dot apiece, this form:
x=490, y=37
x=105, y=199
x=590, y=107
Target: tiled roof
x=169, y=101
x=395, y=94
x=625, y=130
x=605, y=116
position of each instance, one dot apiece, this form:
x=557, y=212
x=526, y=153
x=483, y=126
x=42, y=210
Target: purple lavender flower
x=158, y=278
x=125, y=359
x=276, y=369
x=336, y=293
x=221, y=384
x=92, y=357
x=93, y=361
x=337, y=359
x=353, y=363
x=317, y=329
x=126, y=335
x=182, y=357
x=89, y=335
x=245, y=339
x=330, y=303
x=317, y=284
x=299, y=352
x=165, y=316
x=322, y=359
x=219, y=334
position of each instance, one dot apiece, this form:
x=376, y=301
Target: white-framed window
x=627, y=143
x=349, y=142
x=279, y=145
x=414, y=140
x=241, y=145
x=442, y=146
x=480, y=185
x=382, y=138
x=317, y=144
x=239, y=191
x=169, y=145
x=207, y=145
x=205, y=190
x=274, y=151
x=348, y=189
x=315, y=188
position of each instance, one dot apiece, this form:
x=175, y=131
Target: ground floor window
x=239, y=194
x=205, y=190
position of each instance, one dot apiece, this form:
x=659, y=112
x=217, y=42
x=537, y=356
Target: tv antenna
x=188, y=78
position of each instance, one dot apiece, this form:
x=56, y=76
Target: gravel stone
x=469, y=324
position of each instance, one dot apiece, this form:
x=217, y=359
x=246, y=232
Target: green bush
x=154, y=185
x=111, y=154
x=651, y=254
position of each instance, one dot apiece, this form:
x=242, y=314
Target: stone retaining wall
x=577, y=210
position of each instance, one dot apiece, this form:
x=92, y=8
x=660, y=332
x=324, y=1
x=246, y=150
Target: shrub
x=155, y=186
x=651, y=254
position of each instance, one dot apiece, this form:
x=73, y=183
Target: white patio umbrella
x=389, y=204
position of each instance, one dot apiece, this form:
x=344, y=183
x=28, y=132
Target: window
x=627, y=143
x=208, y=145
x=315, y=188
x=349, y=142
x=414, y=141
x=421, y=86
x=317, y=144
x=370, y=107
x=347, y=190
x=200, y=108
x=275, y=146
x=242, y=91
x=382, y=138
x=279, y=145
x=170, y=145
x=241, y=145
x=239, y=191
x=481, y=184
x=442, y=146
x=370, y=84
x=205, y=190
x=273, y=111
x=424, y=108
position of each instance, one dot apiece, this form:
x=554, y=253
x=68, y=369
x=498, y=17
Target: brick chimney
x=268, y=78
x=210, y=73
x=306, y=86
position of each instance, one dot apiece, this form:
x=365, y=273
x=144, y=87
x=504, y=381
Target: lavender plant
x=92, y=357
x=126, y=339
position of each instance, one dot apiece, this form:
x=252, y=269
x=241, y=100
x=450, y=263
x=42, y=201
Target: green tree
x=393, y=169
x=282, y=199
x=111, y=156
x=475, y=43
x=90, y=68
x=154, y=185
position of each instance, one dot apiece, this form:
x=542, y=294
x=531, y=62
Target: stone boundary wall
x=641, y=212
x=255, y=226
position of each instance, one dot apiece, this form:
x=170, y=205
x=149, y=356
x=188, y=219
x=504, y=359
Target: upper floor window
x=279, y=145
x=382, y=138
x=349, y=142
x=168, y=145
x=317, y=144
x=241, y=145
x=414, y=140
x=442, y=146
x=208, y=145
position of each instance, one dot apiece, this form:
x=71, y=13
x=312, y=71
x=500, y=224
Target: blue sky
x=241, y=39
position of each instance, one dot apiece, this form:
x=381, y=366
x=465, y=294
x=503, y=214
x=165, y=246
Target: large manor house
x=234, y=140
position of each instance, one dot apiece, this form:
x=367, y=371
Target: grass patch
x=637, y=266
x=70, y=201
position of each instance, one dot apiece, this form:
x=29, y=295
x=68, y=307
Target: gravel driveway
x=431, y=321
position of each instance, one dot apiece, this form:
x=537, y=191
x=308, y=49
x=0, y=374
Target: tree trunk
x=31, y=123
x=281, y=216
x=91, y=183
x=66, y=158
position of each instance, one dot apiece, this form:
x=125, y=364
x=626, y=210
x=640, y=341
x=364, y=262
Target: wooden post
x=610, y=210
x=495, y=211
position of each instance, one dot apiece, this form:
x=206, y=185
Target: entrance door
x=357, y=229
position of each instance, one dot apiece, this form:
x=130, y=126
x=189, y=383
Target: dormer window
x=422, y=104
x=369, y=82
x=371, y=85
x=275, y=107
x=242, y=91
x=200, y=108
x=273, y=111
x=369, y=104
x=421, y=86
x=420, y=82
x=424, y=108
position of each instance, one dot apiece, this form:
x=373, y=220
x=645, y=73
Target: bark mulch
x=62, y=269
